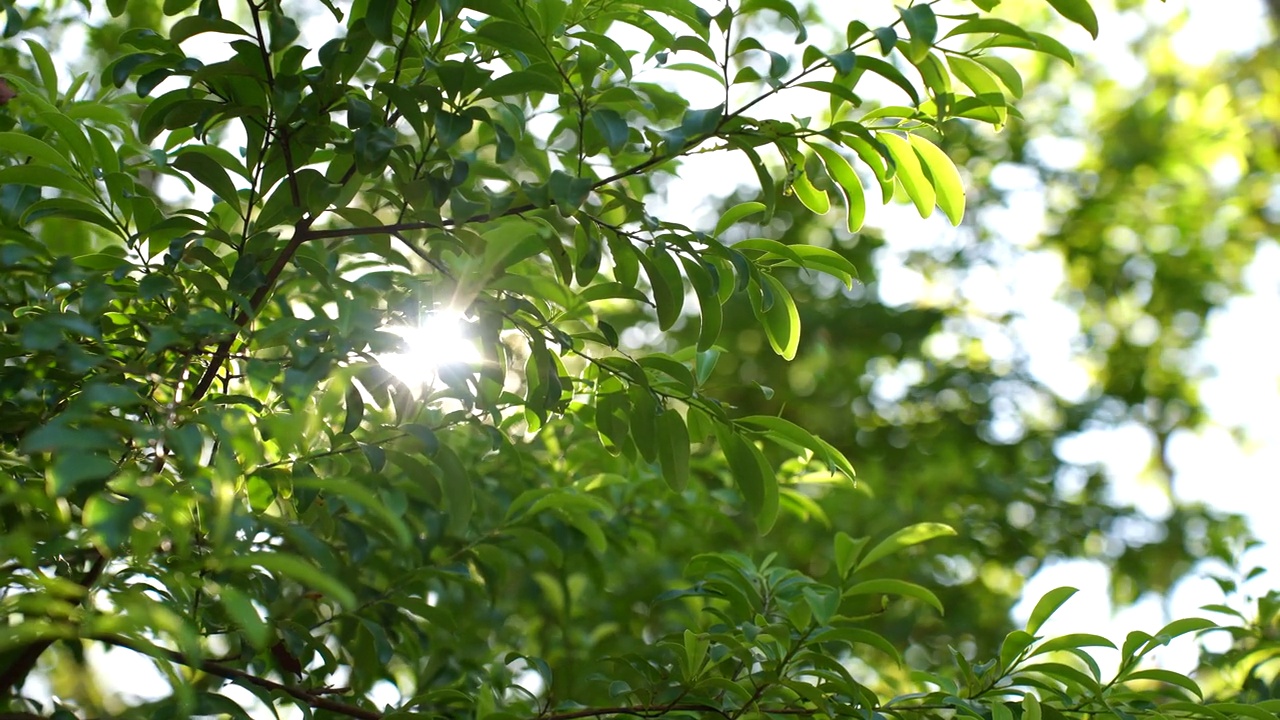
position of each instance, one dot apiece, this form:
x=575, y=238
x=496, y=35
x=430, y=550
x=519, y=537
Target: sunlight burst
x=441, y=339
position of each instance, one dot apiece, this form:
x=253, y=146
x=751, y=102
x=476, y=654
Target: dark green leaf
x=207, y=171
x=673, y=449
x=379, y=18
x=355, y=411
x=455, y=481
x=890, y=73
x=922, y=27
x=519, y=83
x=612, y=127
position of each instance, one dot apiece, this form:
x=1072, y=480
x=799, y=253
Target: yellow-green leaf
x=842, y=173
x=910, y=173
x=808, y=195
x=906, y=537
x=781, y=320
x=947, y=185
x=1047, y=605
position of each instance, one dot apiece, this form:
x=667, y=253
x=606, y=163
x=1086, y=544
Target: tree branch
x=307, y=696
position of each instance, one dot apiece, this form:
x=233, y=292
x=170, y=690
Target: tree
x=210, y=462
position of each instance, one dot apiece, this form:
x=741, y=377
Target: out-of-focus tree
x=1127, y=216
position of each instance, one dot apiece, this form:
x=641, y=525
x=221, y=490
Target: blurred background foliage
x=1148, y=201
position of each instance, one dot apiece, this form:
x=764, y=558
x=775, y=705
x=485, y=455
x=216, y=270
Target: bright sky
x=1210, y=466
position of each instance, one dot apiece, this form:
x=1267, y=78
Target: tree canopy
x=354, y=365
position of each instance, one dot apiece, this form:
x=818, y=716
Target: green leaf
x=910, y=173
x=209, y=172
x=110, y=518
x=72, y=468
x=756, y=485
x=890, y=73
x=189, y=27
x=505, y=37
x=1066, y=674
x=1078, y=12
x=72, y=209
x=239, y=607
x=887, y=38
x=610, y=48
x=296, y=569
x=670, y=367
x=1241, y=709
x=71, y=133
x=791, y=435
x=712, y=313
x=355, y=410
x=982, y=82
x=947, y=185
x=667, y=284
x=644, y=422
x=44, y=64
x=40, y=176
x=811, y=197
x=767, y=186
x=1011, y=649
x=613, y=128
x=174, y=7
x=1074, y=640
x=735, y=214
x=1175, y=629
x=20, y=145
x=781, y=320
x=922, y=26
x=1050, y=46
x=1047, y=606
x=895, y=587
x=379, y=18
x=1004, y=70
x=842, y=173
x=768, y=247
x=828, y=261
x=354, y=491
x=455, y=481
x=847, y=550
x=520, y=82
x=858, y=636
x=987, y=25
x=904, y=538
x=283, y=29
x=695, y=651
x=425, y=436
x=673, y=449
x=1031, y=707
x=1169, y=677
x=1193, y=710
